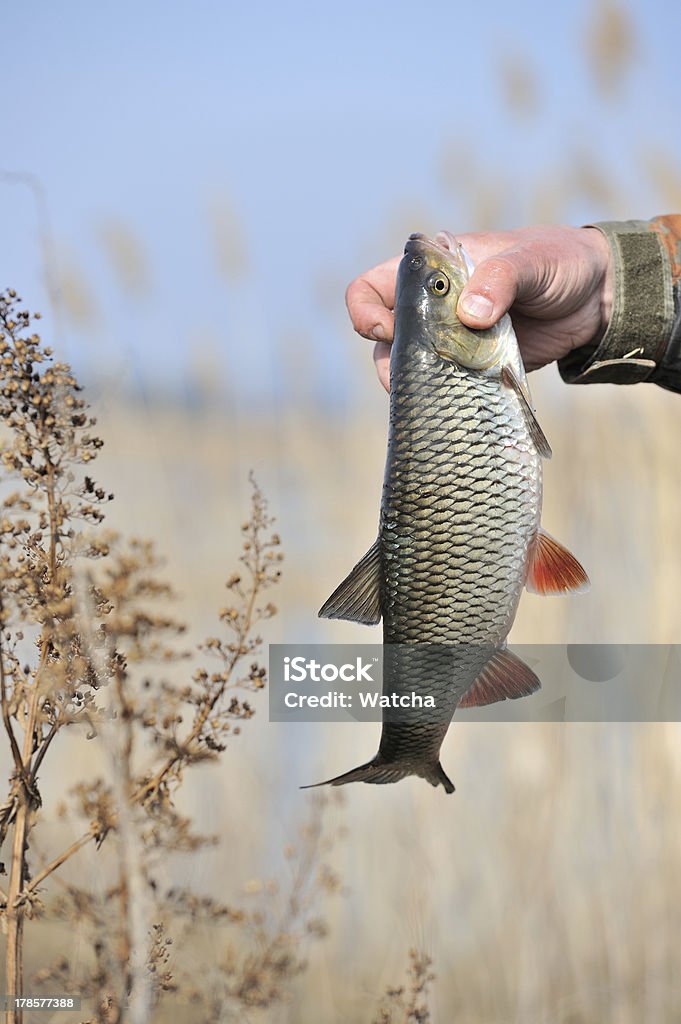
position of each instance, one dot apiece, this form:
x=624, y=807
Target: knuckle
x=499, y=267
x=351, y=291
x=496, y=277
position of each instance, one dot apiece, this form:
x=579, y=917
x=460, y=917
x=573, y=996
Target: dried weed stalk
x=87, y=642
x=274, y=927
x=408, y=1004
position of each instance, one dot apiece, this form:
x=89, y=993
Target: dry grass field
x=546, y=889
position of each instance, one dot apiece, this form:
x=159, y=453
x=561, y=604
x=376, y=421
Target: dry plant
x=266, y=952
x=87, y=643
x=611, y=45
x=408, y=1004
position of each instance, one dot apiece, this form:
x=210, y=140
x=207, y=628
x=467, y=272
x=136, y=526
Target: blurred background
x=186, y=191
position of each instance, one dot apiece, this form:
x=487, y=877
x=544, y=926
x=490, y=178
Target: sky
x=251, y=159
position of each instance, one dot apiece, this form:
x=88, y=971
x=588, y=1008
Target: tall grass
x=87, y=648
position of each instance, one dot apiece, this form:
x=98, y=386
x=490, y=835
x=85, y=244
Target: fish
x=460, y=531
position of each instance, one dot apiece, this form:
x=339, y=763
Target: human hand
x=556, y=282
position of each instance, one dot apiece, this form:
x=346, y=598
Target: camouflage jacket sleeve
x=643, y=339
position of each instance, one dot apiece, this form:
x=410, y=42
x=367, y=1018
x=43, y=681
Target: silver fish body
x=460, y=516
x=461, y=500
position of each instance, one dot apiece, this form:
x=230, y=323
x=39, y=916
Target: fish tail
x=437, y=776
x=379, y=772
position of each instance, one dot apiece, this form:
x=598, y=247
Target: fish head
x=431, y=277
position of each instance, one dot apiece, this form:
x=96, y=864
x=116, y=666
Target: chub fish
x=459, y=533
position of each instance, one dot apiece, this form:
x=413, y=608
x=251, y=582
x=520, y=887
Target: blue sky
x=320, y=129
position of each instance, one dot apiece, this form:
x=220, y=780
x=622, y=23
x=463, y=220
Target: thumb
x=494, y=286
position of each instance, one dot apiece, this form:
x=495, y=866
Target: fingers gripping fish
x=459, y=534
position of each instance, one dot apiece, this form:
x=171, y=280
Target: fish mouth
x=443, y=246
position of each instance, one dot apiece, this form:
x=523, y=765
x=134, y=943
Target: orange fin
x=553, y=570
x=504, y=677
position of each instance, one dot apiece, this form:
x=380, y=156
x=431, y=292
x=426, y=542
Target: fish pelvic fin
x=380, y=772
x=553, y=569
x=358, y=597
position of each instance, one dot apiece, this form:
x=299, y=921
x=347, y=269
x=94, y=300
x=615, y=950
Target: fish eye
x=438, y=283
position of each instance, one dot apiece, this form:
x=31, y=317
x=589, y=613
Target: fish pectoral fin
x=358, y=597
x=509, y=378
x=504, y=677
x=553, y=569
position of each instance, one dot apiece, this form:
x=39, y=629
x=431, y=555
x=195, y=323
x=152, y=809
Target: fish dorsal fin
x=358, y=597
x=504, y=677
x=509, y=378
x=553, y=569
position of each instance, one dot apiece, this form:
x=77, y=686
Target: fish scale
x=459, y=511
x=453, y=545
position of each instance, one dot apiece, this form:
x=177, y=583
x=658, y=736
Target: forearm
x=643, y=339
